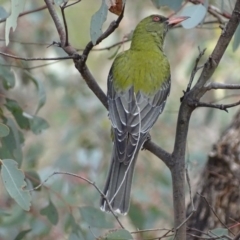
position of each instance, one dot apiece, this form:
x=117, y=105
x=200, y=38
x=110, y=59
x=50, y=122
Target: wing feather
x=128, y=125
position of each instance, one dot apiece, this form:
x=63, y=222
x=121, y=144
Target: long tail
x=118, y=185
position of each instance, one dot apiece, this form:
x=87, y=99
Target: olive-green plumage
x=138, y=86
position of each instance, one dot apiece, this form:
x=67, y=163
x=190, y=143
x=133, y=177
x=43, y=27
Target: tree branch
x=186, y=109
x=37, y=59
x=216, y=85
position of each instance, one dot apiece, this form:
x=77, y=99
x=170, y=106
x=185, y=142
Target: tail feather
x=118, y=185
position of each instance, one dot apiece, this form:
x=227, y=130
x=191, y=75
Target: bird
x=138, y=85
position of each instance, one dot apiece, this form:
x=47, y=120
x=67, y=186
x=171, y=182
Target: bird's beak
x=172, y=21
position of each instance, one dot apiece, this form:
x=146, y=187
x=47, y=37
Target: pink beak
x=172, y=21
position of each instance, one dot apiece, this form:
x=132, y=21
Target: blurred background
x=78, y=139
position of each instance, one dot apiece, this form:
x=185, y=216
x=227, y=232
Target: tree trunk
x=217, y=200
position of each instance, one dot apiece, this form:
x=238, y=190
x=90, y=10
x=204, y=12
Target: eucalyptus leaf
x=95, y=217
x=17, y=7
x=120, y=234
x=60, y=2
x=12, y=143
x=4, y=130
x=196, y=13
x=13, y=180
x=236, y=40
x=50, y=212
x=34, y=178
x=173, y=4
x=220, y=232
x=3, y=13
x=7, y=77
x=97, y=21
x=17, y=112
x=22, y=234
x=37, y=124
x=41, y=91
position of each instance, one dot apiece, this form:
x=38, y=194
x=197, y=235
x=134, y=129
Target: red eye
x=156, y=19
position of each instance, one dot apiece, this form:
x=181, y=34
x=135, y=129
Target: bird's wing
x=133, y=115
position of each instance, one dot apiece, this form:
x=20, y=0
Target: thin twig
x=190, y=189
x=195, y=68
x=237, y=237
x=59, y=27
x=216, y=85
x=223, y=107
x=86, y=180
x=65, y=23
x=29, y=68
x=38, y=59
x=215, y=213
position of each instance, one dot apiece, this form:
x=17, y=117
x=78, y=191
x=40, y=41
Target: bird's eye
x=156, y=19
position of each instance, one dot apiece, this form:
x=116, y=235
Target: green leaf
x=3, y=13
x=13, y=180
x=114, y=54
x=38, y=124
x=137, y=216
x=7, y=77
x=220, y=232
x=22, y=234
x=4, y=130
x=60, y=2
x=95, y=217
x=50, y=212
x=173, y=4
x=97, y=21
x=17, y=112
x=3, y=213
x=17, y=7
x=236, y=40
x=120, y=234
x=11, y=144
x=75, y=228
x=41, y=91
x=34, y=178
x=196, y=13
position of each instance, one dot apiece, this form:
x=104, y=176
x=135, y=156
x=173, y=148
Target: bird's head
x=156, y=27
x=160, y=24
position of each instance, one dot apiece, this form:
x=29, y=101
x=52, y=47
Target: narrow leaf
x=17, y=112
x=17, y=7
x=34, y=178
x=236, y=40
x=219, y=232
x=97, y=22
x=38, y=124
x=7, y=77
x=41, y=91
x=3, y=13
x=60, y=2
x=12, y=143
x=13, y=180
x=95, y=217
x=196, y=14
x=50, y=212
x=4, y=130
x=120, y=234
x=173, y=4
x=22, y=234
